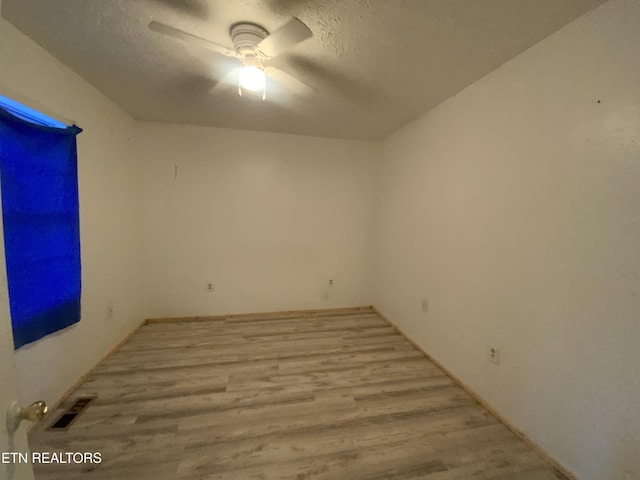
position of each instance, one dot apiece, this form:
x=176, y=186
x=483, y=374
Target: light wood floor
x=300, y=397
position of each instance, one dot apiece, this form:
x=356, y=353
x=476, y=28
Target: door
x=8, y=387
x=8, y=383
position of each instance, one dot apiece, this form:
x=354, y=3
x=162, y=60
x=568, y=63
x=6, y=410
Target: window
x=40, y=216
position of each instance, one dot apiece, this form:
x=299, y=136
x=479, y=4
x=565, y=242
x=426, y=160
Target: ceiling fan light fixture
x=252, y=78
x=253, y=46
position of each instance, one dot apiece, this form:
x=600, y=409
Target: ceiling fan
x=253, y=47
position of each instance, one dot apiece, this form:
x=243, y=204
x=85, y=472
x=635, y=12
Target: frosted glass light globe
x=252, y=78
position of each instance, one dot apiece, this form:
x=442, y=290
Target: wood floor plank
x=325, y=396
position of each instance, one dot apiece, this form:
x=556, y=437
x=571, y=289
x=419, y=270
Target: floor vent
x=71, y=414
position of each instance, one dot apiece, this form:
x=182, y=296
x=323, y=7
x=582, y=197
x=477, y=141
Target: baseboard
x=485, y=404
x=69, y=391
x=265, y=315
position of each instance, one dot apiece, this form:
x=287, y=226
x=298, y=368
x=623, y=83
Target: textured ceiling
x=375, y=64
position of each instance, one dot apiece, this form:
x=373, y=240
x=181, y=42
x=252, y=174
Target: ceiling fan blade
x=290, y=7
x=289, y=81
x=284, y=38
x=195, y=8
x=351, y=89
x=189, y=38
x=231, y=79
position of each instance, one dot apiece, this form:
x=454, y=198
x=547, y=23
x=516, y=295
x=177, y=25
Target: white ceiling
x=375, y=64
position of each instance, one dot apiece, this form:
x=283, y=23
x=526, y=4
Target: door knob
x=33, y=413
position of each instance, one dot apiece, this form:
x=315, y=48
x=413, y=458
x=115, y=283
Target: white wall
x=268, y=218
x=109, y=216
x=514, y=209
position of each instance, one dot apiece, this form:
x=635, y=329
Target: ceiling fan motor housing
x=246, y=37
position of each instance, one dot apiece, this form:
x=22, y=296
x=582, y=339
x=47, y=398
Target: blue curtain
x=39, y=182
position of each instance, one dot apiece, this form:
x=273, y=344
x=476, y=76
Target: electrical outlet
x=209, y=287
x=331, y=282
x=110, y=310
x=493, y=354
